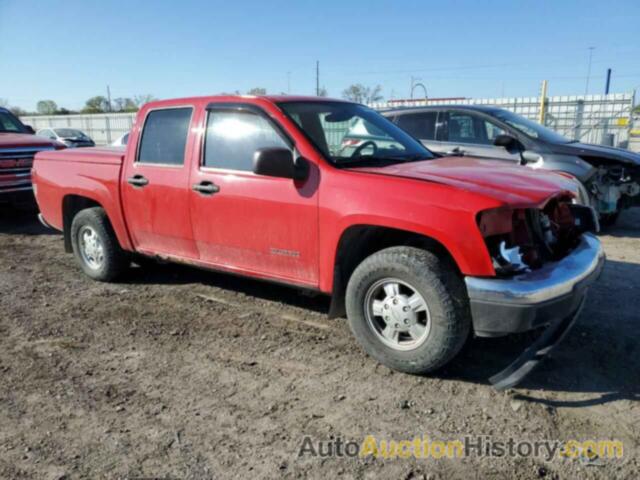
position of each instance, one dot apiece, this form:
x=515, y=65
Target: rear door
x=255, y=224
x=156, y=184
x=468, y=133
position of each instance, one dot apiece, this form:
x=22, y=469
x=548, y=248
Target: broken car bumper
x=538, y=298
x=552, y=296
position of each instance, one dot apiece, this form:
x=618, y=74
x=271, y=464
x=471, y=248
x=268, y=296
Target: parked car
x=419, y=251
x=18, y=145
x=611, y=176
x=121, y=141
x=71, y=137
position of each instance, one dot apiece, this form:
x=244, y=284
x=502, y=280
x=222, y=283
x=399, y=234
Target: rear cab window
x=164, y=136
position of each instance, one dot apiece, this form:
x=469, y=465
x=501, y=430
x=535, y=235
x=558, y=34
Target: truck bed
x=90, y=173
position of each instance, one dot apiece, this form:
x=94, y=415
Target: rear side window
x=421, y=125
x=165, y=136
x=233, y=137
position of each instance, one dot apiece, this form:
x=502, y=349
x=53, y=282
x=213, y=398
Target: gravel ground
x=179, y=373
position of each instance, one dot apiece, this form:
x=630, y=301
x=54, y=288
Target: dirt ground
x=179, y=373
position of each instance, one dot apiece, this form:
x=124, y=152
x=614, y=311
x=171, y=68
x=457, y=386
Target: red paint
x=277, y=228
x=14, y=172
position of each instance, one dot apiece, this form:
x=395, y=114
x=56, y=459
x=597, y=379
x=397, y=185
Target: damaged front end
x=614, y=187
x=525, y=239
x=545, y=259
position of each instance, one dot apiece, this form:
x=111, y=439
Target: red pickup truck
x=419, y=250
x=18, y=145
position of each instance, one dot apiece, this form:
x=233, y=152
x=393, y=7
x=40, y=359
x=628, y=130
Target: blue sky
x=70, y=50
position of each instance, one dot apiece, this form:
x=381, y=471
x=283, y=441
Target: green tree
x=257, y=91
x=46, y=107
x=97, y=104
x=361, y=94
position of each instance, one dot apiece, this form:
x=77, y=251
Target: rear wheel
x=96, y=247
x=408, y=309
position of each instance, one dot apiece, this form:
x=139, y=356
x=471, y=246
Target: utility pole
x=608, y=84
x=586, y=90
x=317, y=78
x=109, y=99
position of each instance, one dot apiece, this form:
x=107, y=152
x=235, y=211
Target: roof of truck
x=243, y=98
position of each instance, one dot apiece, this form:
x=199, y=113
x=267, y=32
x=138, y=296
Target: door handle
x=206, y=188
x=137, y=181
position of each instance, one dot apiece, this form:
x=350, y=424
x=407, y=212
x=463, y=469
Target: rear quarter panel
x=58, y=174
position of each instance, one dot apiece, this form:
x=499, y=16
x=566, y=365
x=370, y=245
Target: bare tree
x=4, y=103
x=257, y=91
x=140, y=100
x=361, y=94
x=323, y=92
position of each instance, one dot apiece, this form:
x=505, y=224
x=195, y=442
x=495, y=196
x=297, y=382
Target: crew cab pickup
x=18, y=145
x=418, y=250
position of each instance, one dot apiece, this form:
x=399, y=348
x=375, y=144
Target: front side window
x=348, y=133
x=464, y=127
x=164, y=136
x=420, y=125
x=233, y=136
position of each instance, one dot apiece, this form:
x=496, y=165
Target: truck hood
x=589, y=150
x=108, y=155
x=19, y=140
x=507, y=183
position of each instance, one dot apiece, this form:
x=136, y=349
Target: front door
x=466, y=133
x=259, y=225
x=156, y=185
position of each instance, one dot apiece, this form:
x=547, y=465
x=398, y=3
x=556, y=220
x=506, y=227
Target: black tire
x=439, y=285
x=115, y=260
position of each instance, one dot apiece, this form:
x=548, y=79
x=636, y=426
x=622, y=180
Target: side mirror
x=29, y=129
x=528, y=157
x=506, y=141
x=279, y=162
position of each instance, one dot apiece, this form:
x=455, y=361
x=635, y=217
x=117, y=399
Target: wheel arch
x=72, y=204
x=357, y=242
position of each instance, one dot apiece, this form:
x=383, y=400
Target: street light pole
x=586, y=90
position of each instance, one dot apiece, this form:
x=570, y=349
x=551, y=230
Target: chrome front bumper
x=536, y=298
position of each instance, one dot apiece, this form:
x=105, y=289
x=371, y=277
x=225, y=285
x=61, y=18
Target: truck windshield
x=349, y=133
x=530, y=128
x=9, y=123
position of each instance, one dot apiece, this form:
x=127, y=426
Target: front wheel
x=408, y=309
x=96, y=247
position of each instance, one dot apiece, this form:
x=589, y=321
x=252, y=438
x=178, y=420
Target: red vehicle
x=420, y=251
x=18, y=145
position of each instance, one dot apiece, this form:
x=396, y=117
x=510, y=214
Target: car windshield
x=9, y=123
x=69, y=133
x=530, y=128
x=349, y=133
